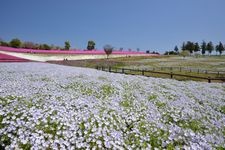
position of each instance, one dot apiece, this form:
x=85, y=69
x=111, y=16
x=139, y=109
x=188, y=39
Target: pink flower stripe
x=9, y=58
x=93, y=52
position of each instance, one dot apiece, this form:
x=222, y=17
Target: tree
x=138, y=49
x=91, y=45
x=121, y=49
x=108, y=50
x=148, y=51
x=203, y=47
x=44, y=47
x=183, y=46
x=15, y=43
x=220, y=48
x=129, y=49
x=67, y=45
x=197, y=47
x=176, y=49
x=28, y=45
x=210, y=47
x=185, y=53
x=190, y=46
x=3, y=43
x=167, y=53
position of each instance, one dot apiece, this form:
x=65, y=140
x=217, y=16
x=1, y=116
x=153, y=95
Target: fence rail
x=150, y=73
x=180, y=69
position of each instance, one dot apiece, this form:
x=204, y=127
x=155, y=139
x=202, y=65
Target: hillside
x=51, y=106
x=58, y=55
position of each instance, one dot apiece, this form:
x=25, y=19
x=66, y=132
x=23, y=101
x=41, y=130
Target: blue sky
x=146, y=24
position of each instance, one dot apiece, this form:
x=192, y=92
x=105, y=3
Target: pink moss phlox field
x=93, y=52
x=9, y=58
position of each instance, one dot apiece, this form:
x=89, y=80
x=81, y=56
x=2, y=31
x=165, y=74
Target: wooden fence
x=186, y=69
x=150, y=73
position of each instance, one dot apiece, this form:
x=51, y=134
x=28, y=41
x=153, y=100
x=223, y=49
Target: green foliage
x=3, y=43
x=160, y=104
x=49, y=128
x=197, y=47
x=210, y=47
x=203, y=46
x=15, y=43
x=67, y=45
x=107, y=90
x=1, y=119
x=152, y=97
x=170, y=53
x=176, y=49
x=190, y=46
x=25, y=146
x=91, y=45
x=194, y=125
x=28, y=45
x=220, y=148
x=126, y=103
x=185, y=53
x=222, y=109
x=5, y=140
x=220, y=48
x=44, y=47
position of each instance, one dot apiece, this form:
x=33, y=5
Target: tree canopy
x=67, y=45
x=91, y=45
x=15, y=43
x=210, y=47
x=203, y=47
x=220, y=48
x=176, y=49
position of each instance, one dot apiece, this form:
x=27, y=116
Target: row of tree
x=17, y=43
x=203, y=47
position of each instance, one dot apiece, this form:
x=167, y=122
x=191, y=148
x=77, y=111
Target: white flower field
x=46, y=106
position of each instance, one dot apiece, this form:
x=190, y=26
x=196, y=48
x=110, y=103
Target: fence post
x=122, y=70
x=143, y=72
x=218, y=73
x=209, y=80
x=198, y=71
x=180, y=69
x=102, y=68
x=171, y=75
x=109, y=69
x=97, y=67
x=206, y=72
x=190, y=70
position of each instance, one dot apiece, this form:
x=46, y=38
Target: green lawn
x=202, y=66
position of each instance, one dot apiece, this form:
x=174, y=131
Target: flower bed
x=93, y=52
x=49, y=106
x=9, y=58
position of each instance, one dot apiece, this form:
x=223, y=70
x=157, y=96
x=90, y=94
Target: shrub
x=185, y=53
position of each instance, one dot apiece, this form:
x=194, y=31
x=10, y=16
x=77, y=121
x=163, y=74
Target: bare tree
x=108, y=50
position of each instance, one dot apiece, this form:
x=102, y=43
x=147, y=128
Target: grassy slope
x=212, y=64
